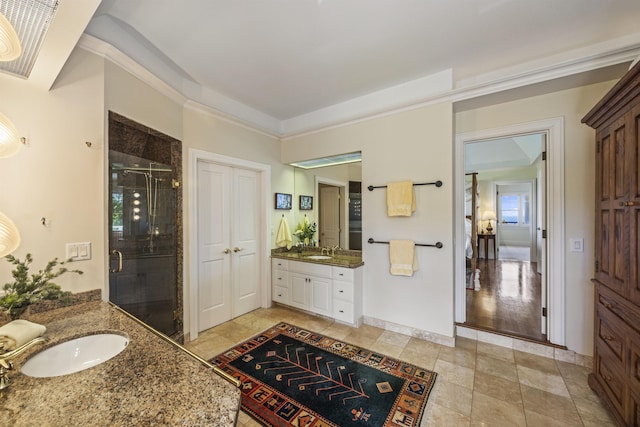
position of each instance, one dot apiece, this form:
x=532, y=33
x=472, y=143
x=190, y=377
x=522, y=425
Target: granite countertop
x=151, y=382
x=342, y=258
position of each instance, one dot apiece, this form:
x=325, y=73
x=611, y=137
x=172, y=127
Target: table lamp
x=488, y=216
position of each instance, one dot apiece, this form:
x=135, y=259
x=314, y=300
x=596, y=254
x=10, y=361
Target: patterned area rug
x=294, y=377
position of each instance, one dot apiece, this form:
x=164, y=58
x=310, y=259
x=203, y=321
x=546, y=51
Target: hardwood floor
x=509, y=299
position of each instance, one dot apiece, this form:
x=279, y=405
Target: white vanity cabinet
x=280, y=281
x=347, y=295
x=319, y=288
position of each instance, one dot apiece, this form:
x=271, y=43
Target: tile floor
x=479, y=384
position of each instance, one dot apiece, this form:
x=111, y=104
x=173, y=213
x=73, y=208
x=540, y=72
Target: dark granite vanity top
x=151, y=382
x=341, y=258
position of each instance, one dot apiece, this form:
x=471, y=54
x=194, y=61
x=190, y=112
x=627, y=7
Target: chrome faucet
x=6, y=366
x=322, y=251
x=333, y=250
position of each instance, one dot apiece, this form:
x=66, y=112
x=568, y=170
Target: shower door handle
x=119, y=269
x=227, y=251
x=237, y=249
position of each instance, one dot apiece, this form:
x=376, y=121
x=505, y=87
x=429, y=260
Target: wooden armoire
x=616, y=358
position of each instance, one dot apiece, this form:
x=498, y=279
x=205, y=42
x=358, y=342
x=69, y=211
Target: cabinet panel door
x=299, y=291
x=321, y=296
x=633, y=205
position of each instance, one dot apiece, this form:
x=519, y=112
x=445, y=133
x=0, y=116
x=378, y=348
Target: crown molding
x=428, y=90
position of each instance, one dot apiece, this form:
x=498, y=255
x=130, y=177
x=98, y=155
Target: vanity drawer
x=279, y=278
x=343, y=311
x=341, y=273
x=281, y=264
x=343, y=291
x=280, y=294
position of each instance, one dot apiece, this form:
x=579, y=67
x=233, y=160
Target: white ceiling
x=519, y=151
x=286, y=66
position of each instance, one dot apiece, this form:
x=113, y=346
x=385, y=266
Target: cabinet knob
x=341, y=291
x=621, y=204
x=341, y=311
x=279, y=295
x=608, y=338
x=607, y=378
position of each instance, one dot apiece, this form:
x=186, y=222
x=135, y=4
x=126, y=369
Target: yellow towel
x=401, y=200
x=402, y=256
x=18, y=332
x=283, y=238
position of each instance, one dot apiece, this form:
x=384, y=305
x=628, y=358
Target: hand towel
x=283, y=238
x=401, y=199
x=402, y=256
x=19, y=332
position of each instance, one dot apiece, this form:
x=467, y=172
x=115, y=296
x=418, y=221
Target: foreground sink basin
x=319, y=257
x=75, y=355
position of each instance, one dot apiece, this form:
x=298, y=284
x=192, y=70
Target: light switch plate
x=576, y=245
x=79, y=251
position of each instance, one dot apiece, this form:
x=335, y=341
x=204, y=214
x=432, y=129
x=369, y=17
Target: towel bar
x=436, y=245
x=437, y=183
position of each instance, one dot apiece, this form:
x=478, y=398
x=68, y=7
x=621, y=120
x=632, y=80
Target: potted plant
x=27, y=289
x=305, y=231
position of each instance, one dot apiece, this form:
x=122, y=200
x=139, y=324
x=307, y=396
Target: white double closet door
x=228, y=243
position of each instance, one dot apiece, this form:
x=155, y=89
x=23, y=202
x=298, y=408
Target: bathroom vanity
x=329, y=286
x=151, y=382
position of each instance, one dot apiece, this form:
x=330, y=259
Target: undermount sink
x=75, y=355
x=319, y=257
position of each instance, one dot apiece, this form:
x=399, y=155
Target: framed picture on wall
x=306, y=203
x=283, y=201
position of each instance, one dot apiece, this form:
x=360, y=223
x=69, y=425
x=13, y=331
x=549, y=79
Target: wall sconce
x=10, y=48
x=9, y=138
x=9, y=235
x=489, y=216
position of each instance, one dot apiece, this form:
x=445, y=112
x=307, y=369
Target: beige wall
x=56, y=176
x=414, y=145
x=579, y=144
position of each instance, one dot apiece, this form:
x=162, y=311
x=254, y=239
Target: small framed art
x=306, y=203
x=283, y=201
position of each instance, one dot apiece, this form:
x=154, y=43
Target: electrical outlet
x=79, y=251
x=576, y=245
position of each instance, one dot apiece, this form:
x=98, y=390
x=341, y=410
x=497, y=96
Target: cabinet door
x=632, y=205
x=321, y=295
x=299, y=289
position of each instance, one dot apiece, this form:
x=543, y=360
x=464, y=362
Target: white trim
x=554, y=128
x=265, y=177
x=344, y=232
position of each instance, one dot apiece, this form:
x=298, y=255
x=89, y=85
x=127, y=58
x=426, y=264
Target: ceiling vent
x=31, y=20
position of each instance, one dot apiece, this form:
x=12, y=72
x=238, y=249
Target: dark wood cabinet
x=616, y=361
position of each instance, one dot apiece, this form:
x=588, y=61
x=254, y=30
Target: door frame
x=264, y=172
x=554, y=130
x=344, y=192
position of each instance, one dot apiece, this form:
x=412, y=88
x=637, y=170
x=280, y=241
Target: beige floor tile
x=539, y=363
x=386, y=349
x=422, y=346
x=498, y=368
x=536, y=419
x=499, y=388
x=455, y=374
x=360, y=340
x=495, y=351
x=592, y=411
x=489, y=411
x=393, y=338
x=453, y=396
x=466, y=344
x=423, y=360
x=543, y=381
x=458, y=356
x=338, y=331
x=439, y=415
x=550, y=405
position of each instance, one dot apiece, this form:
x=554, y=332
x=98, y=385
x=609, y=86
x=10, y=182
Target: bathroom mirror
x=337, y=207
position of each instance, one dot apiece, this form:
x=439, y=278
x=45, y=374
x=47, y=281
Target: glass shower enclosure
x=143, y=240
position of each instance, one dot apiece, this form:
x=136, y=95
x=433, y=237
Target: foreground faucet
x=6, y=366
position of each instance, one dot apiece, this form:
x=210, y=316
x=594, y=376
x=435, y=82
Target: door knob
x=621, y=204
x=227, y=251
x=237, y=249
